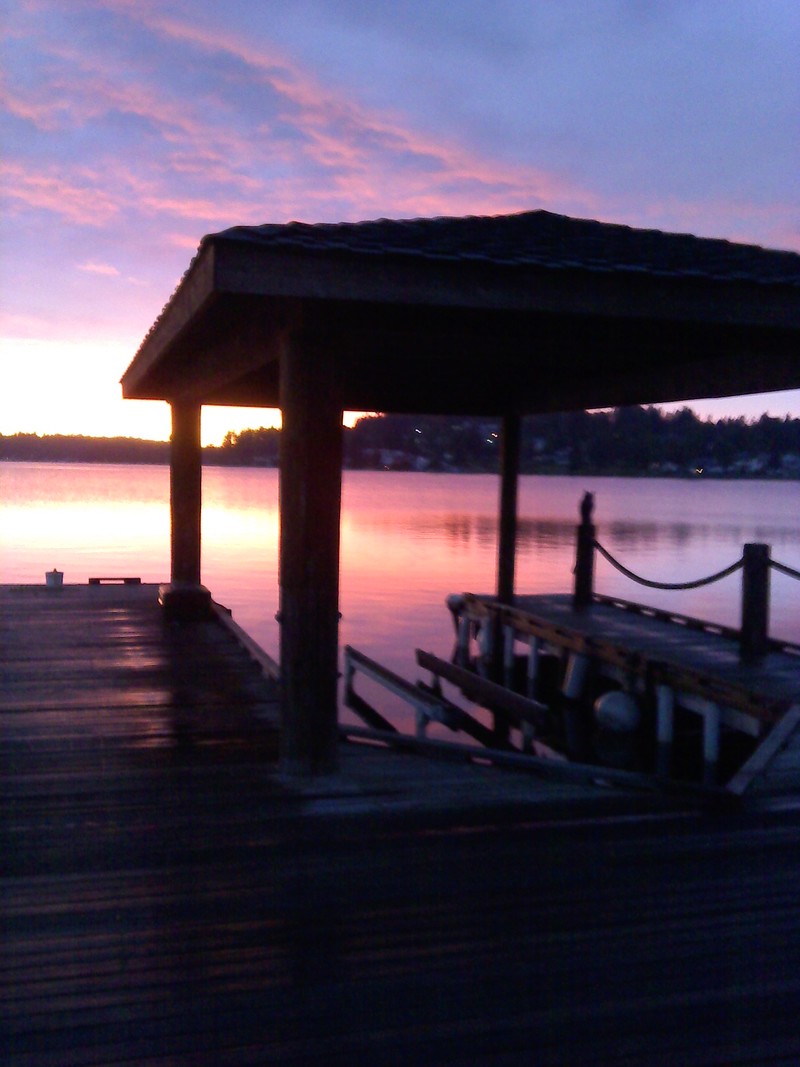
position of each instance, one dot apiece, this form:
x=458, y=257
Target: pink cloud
x=81, y=196
x=339, y=158
x=84, y=90
x=363, y=162
x=42, y=114
x=341, y=135
x=99, y=268
x=83, y=201
x=212, y=167
x=182, y=240
x=208, y=212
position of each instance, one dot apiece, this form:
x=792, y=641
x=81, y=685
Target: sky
x=130, y=128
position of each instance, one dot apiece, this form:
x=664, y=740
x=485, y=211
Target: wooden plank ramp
x=167, y=898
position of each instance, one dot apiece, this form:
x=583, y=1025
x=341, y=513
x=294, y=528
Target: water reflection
x=464, y=528
x=408, y=540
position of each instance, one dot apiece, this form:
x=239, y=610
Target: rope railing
x=696, y=584
x=754, y=563
x=784, y=569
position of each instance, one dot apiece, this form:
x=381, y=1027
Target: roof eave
x=195, y=292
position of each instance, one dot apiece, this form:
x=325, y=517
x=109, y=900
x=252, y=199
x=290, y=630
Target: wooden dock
x=665, y=660
x=168, y=898
x=94, y=675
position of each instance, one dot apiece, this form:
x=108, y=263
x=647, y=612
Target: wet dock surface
x=169, y=898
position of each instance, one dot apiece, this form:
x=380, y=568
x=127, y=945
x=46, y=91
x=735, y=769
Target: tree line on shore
x=629, y=440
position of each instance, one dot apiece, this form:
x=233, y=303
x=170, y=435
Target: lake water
x=408, y=540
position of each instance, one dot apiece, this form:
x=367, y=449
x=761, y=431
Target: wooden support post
x=185, y=494
x=463, y=628
x=185, y=597
x=575, y=676
x=576, y=717
x=508, y=656
x=665, y=729
x=310, y=505
x=711, y=737
x=488, y=640
x=506, y=543
x=531, y=688
x=534, y=650
x=584, y=558
x=507, y=535
x=421, y=721
x=349, y=676
x=462, y=645
x=754, y=633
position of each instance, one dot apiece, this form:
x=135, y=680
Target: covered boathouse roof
x=526, y=312
x=487, y=316
x=533, y=238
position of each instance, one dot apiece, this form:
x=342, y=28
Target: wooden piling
x=185, y=492
x=507, y=536
x=184, y=597
x=506, y=544
x=665, y=728
x=754, y=641
x=310, y=502
x=584, y=558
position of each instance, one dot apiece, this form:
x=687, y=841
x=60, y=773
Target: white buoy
x=617, y=711
x=54, y=579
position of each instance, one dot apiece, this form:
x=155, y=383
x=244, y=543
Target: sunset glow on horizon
x=132, y=127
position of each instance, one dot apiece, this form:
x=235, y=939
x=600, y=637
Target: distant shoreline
x=543, y=473
x=632, y=442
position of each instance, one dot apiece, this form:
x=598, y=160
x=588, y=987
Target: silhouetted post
x=185, y=492
x=754, y=635
x=584, y=559
x=310, y=504
x=185, y=597
x=507, y=534
x=506, y=553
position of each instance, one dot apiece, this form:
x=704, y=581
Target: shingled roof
x=537, y=311
x=531, y=238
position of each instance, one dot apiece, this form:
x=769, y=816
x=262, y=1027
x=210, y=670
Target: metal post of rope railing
x=584, y=558
x=754, y=632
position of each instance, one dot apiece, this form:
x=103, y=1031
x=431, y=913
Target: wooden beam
x=258, y=269
x=560, y=381
x=512, y=706
x=310, y=504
